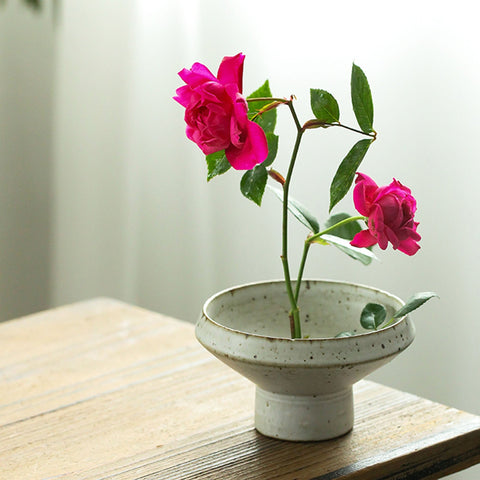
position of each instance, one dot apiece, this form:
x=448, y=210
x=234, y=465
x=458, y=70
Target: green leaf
x=363, y=255
x=343, y=179
x=272, y=141
x=300, y=212
x=414, y=302
x=217, y=164
x=324, y=106
x=266, y=120
x=347, y=231
x=362, y=99
x=253, y=183
x=372, y=316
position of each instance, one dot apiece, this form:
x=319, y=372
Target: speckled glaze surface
x=303, y=386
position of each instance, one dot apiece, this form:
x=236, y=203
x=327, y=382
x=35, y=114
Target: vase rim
x=306, y=340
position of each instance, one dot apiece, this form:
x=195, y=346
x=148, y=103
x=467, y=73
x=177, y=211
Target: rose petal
x=409, y=246
x=231, y=70
x=375, y=220
x=363, y=239
x=253, y=151
x=238, y=124
x=183, y=95
x=392, y=237
x=363, y=193
x=392, y=210
x=197, y=75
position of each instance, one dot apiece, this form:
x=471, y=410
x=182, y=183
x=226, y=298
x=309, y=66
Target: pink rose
x=390, y=211
x=216, y=113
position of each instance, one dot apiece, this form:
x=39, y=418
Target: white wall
x=90, y=212
x=27, y=56
x=133, y=216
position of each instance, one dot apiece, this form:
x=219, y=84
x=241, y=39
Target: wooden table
x=101, y=389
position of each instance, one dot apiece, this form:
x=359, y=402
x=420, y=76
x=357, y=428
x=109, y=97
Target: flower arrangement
x=237, y=131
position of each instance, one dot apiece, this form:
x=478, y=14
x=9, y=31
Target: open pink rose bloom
x=390, y=211
x=216, y=113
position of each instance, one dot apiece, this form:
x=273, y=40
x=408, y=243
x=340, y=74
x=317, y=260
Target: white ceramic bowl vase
x=303, y=386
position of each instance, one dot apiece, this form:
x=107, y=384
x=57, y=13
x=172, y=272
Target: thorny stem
x=294, y=312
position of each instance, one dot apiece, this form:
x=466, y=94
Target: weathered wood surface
x=101, y=389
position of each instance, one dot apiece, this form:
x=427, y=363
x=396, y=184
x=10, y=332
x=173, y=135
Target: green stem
x=372, y=134
x=306, y=248
x=294, y=312
x=267, y=99
x=314, y=123
x=300, y=129
x=333, y=227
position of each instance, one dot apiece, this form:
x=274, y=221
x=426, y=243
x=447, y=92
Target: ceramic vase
x=303, y=386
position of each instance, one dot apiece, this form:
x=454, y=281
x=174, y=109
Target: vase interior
x=326, y=308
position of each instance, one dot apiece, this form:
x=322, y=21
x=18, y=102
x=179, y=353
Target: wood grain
x=101, y=389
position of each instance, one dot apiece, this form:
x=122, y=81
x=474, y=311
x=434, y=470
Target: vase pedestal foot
x=303, y=417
